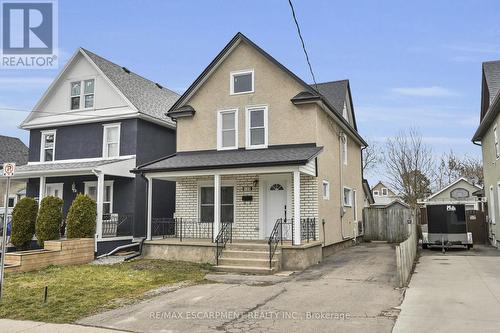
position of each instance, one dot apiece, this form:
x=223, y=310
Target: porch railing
x=225, y=235
x=116, y=225
x=181, y=228
x=308, y=229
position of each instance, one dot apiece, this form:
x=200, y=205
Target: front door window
x=275, y=206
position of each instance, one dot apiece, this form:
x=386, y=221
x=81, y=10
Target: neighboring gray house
x=12, y=150
x=461, y=191
x=383, y=195
x=95, y=123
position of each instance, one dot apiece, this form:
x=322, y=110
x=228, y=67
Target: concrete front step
x=248, y=262
x=248, y=247
x=246, y=270
x=248, y=254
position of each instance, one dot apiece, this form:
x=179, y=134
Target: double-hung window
x=347, y=197
x=256, y=124
x=497, y=144
x=227, y=129
x=384, y=192
x=111, y=141
x=107, y=199
x=241, y=82
x=82, y=94
x=326, y=190
x=207, y=204
x=48, y=146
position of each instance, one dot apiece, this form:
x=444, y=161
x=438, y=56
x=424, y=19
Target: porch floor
x=208, y=242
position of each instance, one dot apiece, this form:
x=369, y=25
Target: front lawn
x=78, y=291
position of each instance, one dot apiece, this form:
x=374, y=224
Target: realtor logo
x=29, y=34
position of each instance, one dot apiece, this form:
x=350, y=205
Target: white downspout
x=341, y=169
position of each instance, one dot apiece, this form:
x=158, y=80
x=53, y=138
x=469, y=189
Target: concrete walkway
x=351, y=291
x=455, y=292
x=25, y=326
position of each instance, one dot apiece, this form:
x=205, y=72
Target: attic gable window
x=82, y=97
x=241, y=82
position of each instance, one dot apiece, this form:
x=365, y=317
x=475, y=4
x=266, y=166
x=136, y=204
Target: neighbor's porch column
x=150, y=208
x=100, y=203
x=296, y=207
x=216, y=225
x=41, y=191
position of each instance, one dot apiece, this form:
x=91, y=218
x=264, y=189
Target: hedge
x=81, y=219
x=49, y=219
x=23, y=222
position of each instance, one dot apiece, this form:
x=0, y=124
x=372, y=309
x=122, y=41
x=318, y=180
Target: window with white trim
x=326, y=190
x=347, y=197
x=107, y=199
x=491, y=205
x=256, y=124
x=11, y=202
x=111, y=140
x=385, y=192
x=497, y=144
x=207, y=203
x=355, y=204
x=375, y=193
x=48, y=146
x=344, y=148
x=241, y=82
x=82, y=98
x=227, y=129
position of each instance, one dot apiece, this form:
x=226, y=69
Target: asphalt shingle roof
x=335, y=93
x=491, y=71
x=492, y=76
x=213, y=159
x=12, y=150
x=146, y=95
x=63, y=166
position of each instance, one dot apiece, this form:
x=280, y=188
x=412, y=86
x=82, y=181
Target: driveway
x=353, y=290
x=454, y=292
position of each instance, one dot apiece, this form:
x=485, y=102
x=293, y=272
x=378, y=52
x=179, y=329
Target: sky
x=410, y=63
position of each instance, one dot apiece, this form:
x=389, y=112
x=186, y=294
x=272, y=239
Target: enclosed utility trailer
x=446, y=226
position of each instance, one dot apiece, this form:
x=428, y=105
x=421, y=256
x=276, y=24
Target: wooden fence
x=386, y=224
x=406, y=252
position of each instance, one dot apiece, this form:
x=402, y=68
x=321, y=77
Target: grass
x=78, y=291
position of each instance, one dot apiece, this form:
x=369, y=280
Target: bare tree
x=371, y=156
x=409, y=164
x=450, y=167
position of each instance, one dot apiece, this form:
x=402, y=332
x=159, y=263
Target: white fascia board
x=120, y=168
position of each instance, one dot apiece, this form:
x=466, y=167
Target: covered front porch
x=108, y=182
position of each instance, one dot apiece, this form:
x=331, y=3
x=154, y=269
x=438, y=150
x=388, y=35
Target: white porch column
x=216, y=225
x=150, y=208
x=100, y=201
x=296, y=207
x=41, y=191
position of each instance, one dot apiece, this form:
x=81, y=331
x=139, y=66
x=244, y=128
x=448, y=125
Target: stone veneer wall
x=246, y=224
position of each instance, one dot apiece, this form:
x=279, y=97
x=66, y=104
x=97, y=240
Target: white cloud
x=432, y=91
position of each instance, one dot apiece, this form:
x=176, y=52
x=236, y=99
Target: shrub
x=49, y=219
x=80, y=222
x=23, y=222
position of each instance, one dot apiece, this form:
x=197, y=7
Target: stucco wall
x=288, y=124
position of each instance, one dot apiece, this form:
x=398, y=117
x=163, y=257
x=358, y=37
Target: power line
x=303, y=44
x=84, y=113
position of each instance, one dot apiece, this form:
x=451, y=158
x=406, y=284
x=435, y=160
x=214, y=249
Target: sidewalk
x=15, y=326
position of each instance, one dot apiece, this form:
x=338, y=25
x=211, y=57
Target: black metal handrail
x=181, y=228
x=274, y=239
x=225, y=235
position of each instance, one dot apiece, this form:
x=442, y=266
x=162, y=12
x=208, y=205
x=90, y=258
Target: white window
x=344, y=112
x=384, y=192
x=497, y=144
x=227, y=129
x=48, y=146
x=326, y=190
x=256, y=127
x=241, y=82
x=375, y=193
x=355, y=205
x=11, y=202
x=82, y=94
x=347, y=197
x=107, y=202
x=207, y=204
x=344, y=148
x=111, y=141
x=54, y=190
x=491, y=205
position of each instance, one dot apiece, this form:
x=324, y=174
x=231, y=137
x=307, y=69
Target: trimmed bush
x=80, y=222
x=49, y=219
x=23, y=222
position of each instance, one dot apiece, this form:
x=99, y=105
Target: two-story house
x=95, y=123
x=488, y=136
x=383, y=195
x=261, y=156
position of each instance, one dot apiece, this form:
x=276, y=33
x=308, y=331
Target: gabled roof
x=368, y=192
x=309, y=93
x=451, y=185
x=490, y=108
x=12, y=150
x=335, y=93
x=146, y=97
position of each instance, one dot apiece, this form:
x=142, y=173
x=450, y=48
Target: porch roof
x=116, y=167
x=240, y=158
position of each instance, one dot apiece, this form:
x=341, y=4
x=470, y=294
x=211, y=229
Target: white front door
x=54, y=190
x=275, y=204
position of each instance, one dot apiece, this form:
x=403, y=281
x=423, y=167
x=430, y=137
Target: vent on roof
x=126, y=70
x=158, y=85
